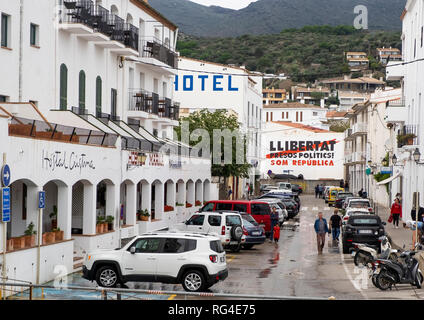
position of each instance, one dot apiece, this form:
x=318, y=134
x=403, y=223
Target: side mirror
x=132, y=250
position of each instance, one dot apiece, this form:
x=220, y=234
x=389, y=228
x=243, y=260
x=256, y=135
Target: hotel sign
x=70, y=161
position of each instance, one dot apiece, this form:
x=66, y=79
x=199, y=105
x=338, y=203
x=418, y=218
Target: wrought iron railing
x=153, y=48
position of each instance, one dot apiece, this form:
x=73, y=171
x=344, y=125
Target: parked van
x=332, y=195
x=259, y=210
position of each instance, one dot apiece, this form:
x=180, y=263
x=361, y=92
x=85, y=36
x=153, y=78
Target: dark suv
x=362, y=229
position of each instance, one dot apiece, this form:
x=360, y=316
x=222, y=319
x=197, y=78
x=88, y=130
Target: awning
x=390, y=179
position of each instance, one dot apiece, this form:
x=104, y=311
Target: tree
x=210, y=121
x=339, y=126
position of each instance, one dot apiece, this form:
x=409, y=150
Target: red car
x=259, y=210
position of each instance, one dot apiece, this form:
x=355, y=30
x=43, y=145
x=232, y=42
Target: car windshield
x=359, y=204
x=233, y=220
x=249, y=218
x=365, y=221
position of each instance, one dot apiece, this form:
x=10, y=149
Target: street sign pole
x=416, y=219
x=4, y=275
x=41, y=206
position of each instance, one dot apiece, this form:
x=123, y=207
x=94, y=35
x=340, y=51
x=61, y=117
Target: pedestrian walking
x=420, y=213
x=276, y=233
x=229, y=193
x=274, y=222
x=396, y=213
x=346, y=186
x=316, y=191
x=246, y=191
x=360, y=192
x=342, y=183
x=336, y=224
x=320, y=190
x=399, y=196
x=321, y=229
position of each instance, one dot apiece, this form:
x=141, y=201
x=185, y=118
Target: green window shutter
x=99, y=95
x=4, y=30
x=82, y=90
x=63, y=87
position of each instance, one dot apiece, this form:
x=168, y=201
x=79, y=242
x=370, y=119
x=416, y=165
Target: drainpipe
x=4, y=273
x=21, y=11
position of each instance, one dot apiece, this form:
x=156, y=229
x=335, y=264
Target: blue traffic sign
x=5, y=175
x=5, y=204
x=41, y=200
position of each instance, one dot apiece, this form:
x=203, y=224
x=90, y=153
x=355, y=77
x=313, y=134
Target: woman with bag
x=395, y=213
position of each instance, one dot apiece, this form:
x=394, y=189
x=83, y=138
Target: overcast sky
x=233, y=4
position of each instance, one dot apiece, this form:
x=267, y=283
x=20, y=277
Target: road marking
x=315, y=209
x=326, y=209
x=172, y=297
x=304, y=208
x=231, y=258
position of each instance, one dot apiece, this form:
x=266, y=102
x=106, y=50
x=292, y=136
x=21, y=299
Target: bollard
x=104, y=295
x=30, y=293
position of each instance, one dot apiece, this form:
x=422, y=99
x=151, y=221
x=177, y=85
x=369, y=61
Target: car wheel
x=235, y=248
x=236, y=233
x=193, y=281
x=107, y=277
x=248, y=246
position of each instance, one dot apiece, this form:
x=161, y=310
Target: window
x=173, y=245
x=34, y=35
x=240, y=207
x=98, y=95
x=224, y=206
x=147, y=245
x=5, y=30
x=63, y=87
x=233, y=221
x=260, y=209
x=216, y=246
x=214, y=221
x=114, y=96
x=81, y=90
x=196, y=220
x=301, y=116
x=208, y=207
x=314, y=114
x=267, y=117
x=3, y=98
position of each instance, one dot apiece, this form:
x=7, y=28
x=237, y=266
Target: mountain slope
x=272, y=16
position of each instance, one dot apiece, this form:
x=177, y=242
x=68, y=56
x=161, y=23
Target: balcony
x=148, y=105
x=395, y=70
x=359, y=129
x=359, y=157
x=95, y=23
x=348, y=158
x=348, y=134
x=411, y=131
x=395, y=111
x=154, y=48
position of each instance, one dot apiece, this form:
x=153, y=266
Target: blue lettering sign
x=176, y=83
x=216, y=83
x=230, y=88
x=203, y=78
x=191, y=80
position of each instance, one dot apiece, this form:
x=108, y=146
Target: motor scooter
x=364, y=254
x=404, y=271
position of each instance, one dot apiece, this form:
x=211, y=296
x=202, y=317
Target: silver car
x=279, y=207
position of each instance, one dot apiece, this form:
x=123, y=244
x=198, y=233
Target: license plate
x=365, y=231
x=256, y=233
x=353, y=253
x=233, y=242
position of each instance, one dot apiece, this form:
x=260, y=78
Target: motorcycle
x=365, y=254
x=404, y=271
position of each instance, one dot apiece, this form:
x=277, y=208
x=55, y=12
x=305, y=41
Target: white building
x=96, y=135
x=412, y=79
x=298, y=149
x=207, y=85
x=296, y=112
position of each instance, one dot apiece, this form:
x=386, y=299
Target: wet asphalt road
x=291, y=268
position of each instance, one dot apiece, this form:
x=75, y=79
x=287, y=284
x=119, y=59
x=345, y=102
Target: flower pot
x=9, y=244
x=29, y=241
x=99, y=228
x=105, y=227
x=58, y=235
x=44, y=238
x=144, y=218
x=21, y=129
x=410, y=141
x=50, y=237
x=18, y=243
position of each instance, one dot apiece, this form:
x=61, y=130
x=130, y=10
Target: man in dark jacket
x=420, y=213
x=274, y=222
x=316, y=191
x=321, y=229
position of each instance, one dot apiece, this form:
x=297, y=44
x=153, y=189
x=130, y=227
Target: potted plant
x=144, y=215
x=50, y=237
x=406, y=139
x=58, y=234
x=9, y=246
x=168, y=208
x=99, y=225
x=198, y=203
x=179, y=204
x=188, y=205
x=109, y=220
x=29, y=236
x=18, y=243
x=53, y=217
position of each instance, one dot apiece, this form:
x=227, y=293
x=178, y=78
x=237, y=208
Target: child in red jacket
x=276, y=235
x=396, y=212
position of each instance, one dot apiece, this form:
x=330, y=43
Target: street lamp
x=417, y=155
x=394, y=159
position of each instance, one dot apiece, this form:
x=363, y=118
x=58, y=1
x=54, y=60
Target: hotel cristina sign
x=70, y=161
